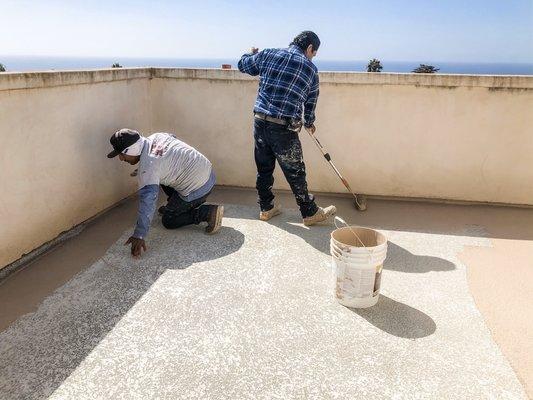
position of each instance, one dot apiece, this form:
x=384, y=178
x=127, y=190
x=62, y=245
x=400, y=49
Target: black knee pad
x=166, y=220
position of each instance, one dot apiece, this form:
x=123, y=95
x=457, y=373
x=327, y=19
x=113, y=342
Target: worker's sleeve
x=310, y=103
x=147, y=205
x=250, y=63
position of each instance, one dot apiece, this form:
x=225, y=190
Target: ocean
x=41, y=63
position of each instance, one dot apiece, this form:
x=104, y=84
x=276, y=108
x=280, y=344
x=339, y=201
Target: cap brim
x=114, y=153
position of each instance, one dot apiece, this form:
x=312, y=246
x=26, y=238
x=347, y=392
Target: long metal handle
x=360, y=202
x=328, y=159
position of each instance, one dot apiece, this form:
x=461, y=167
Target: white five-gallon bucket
x=357, y=257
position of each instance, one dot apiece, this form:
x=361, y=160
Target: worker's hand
x=254, y=50
x=311, y=129
x=136, y=246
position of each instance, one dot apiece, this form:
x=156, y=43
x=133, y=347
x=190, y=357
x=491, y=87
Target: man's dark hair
x=304, y=39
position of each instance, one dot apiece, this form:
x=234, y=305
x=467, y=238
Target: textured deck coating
x=250, y=314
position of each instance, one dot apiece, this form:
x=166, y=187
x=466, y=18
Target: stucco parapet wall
x=364, y=78
x=45, y=79
x=202, y=73
x=30, y=80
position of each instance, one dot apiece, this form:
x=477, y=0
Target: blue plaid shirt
x=288, y=81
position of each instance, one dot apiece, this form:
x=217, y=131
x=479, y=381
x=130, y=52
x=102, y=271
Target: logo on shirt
x=160, y=146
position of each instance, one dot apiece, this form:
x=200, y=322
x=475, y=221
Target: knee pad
x=166, y=220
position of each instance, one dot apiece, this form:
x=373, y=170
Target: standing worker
x=185, y=175
x=288, y=86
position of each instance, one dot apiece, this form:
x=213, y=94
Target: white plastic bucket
x=335, y=251
x=357, y=257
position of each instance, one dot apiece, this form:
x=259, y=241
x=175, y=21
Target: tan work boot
x=320, y=216
x=266, y=215
x=214, y=219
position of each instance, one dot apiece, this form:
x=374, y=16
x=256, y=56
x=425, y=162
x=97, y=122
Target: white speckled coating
x=250, y=313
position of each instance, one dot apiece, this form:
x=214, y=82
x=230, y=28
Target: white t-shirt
x=168, y=161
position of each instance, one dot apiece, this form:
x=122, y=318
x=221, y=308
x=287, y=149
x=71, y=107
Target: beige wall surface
x=54, y=173
x=445, y=137
x=433, y=136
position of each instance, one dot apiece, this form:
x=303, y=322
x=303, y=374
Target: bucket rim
x=379, y=236
x=338, y=244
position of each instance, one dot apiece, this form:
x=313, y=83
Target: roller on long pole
x=360, y=200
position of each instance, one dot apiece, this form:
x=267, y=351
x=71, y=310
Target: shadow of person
x=318, y=236
x=291, y=222
x=42, y=349
x=398, y=319
x=400, y=259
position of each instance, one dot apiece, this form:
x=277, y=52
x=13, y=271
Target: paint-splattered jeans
x=276, y=142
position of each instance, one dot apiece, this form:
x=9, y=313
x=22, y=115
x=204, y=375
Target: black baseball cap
x=122, y=139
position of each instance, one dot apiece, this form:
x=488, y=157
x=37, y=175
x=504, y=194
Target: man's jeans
x=179, y=212
x=276, y=142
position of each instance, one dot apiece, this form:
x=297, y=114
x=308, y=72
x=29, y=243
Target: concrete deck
x=250, y=313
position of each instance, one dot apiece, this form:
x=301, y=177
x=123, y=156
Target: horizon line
x=118, y=58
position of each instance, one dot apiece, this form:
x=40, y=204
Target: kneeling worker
x=185, y=175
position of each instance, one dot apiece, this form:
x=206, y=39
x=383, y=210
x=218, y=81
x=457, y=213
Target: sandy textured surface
x=250, y=314
x=501, y=281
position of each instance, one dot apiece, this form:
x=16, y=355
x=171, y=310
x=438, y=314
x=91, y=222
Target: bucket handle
x=349, y=227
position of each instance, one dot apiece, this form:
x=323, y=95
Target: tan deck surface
x=494, y=243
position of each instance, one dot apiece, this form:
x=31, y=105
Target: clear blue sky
x=446, y=30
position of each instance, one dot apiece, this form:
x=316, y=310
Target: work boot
x=320, y=216
x=266, y=215
x=214, y=219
